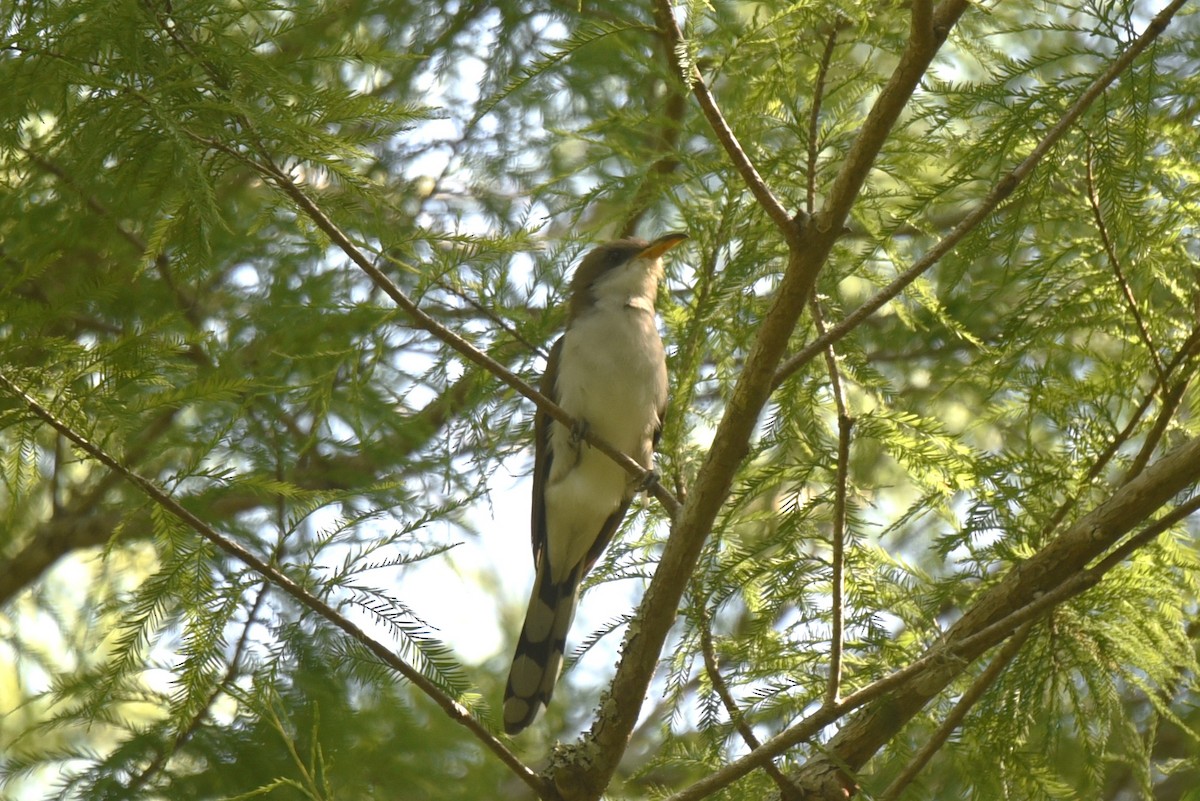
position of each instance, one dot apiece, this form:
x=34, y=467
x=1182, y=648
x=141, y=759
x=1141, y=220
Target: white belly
x=616, y=382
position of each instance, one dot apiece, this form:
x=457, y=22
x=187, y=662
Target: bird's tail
x=539, y=656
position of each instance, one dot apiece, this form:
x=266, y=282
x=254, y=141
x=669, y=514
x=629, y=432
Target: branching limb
x=454, y=710
x=809, y=248
x=998, y=193
x=1051, y=577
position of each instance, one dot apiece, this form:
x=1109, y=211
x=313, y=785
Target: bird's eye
x=619, y=256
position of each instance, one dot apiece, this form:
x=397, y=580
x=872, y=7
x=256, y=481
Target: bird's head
x=621, y=271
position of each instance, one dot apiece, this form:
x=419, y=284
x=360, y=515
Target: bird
x=608, y=371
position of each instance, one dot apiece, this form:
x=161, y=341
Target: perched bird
x=609, y=372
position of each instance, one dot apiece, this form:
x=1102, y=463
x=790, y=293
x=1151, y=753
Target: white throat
x=632, y=285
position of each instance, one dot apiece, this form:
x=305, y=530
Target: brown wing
x=662, y=419
x=542, y=456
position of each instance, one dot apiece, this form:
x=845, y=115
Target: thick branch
x=49, y=542
x=1051, y=577
x=957, y=715
x=1053, y=566
x=586, y=777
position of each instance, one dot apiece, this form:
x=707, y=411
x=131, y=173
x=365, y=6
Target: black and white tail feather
x=539, y=655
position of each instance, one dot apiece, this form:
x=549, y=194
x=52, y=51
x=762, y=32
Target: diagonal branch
x=1054, y=574
x=957, y=715
x=787, y=790
x=814, y=116
x=1114, y=261
x=456, y=711
x=1051, y=577
x=676, y=47
x=998, y=193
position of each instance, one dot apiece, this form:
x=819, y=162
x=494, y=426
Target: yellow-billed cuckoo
x=609, y=372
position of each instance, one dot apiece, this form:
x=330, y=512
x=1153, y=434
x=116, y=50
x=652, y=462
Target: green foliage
x=163, y=297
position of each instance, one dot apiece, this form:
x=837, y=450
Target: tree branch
x=676, y=47
x=1050, y=577
x=998, y=193
x=787, y=790
x=1187, y=353
x=456, y=711
x=1060, y=566
x=1114, y=261
x=971, y=697
x=838, y=530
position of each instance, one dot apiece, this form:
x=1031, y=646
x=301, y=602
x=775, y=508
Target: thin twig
x=690, y=74
x=787, y=790
x=814, y=116
x=1187, y=352
x=837, y=638
x=185, y=733
x=1114, y=261
x=976, y=691
x=998, y=193
x=1171, y=400
x=837, y=544
x=456, y=711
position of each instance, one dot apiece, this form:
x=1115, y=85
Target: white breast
x=611, y=374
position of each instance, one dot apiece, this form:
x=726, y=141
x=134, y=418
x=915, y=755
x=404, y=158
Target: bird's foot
x=648, y=481
x=579, y=432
